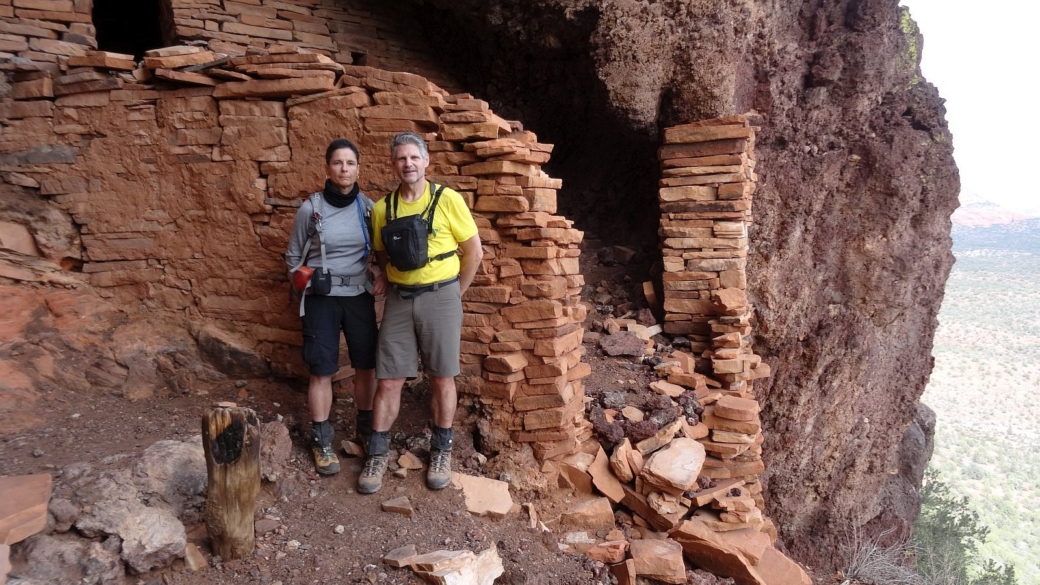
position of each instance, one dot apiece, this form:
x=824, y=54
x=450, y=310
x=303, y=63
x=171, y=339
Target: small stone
x=399, y=505
x=401, y=557
x=262, y=527
x=194, y=559
x=352, y=449
x=38, y=453
x=409, y=461
x=339, y=529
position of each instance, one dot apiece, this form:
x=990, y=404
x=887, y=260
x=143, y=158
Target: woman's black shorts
x=324, y=317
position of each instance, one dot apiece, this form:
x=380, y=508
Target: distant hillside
x=985, y=387
x=1021, y=235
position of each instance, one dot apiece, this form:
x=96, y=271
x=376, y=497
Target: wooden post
x=231, y=440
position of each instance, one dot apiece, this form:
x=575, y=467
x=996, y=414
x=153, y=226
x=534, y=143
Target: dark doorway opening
x=129, y=26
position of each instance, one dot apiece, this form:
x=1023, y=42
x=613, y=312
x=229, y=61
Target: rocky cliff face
x=857, y=182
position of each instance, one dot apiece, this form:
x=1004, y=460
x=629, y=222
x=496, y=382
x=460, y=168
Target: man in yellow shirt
x=423, y=310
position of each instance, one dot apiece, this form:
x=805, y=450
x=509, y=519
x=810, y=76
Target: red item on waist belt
x=301, y=277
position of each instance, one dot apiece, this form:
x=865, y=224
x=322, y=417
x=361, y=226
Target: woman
x=338, y=297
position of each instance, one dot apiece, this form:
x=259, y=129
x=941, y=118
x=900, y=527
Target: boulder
x=68, y=560
x=152, y=537
x=175, y=472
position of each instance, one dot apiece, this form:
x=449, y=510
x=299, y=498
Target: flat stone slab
x=23, y=507
x=484, y=496
x=399, y=506
x=676, y=465
x=402, y=556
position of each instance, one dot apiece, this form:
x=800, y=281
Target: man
x=423, y=311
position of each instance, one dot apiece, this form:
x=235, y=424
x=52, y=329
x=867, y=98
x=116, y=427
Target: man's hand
x=472, y=254
x=380, y=283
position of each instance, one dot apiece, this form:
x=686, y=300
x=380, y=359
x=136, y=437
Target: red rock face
x=850, y=249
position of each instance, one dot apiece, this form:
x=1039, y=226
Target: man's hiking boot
x=378, y=450
x=325, y=460
x=438, y=476
x=371, y=478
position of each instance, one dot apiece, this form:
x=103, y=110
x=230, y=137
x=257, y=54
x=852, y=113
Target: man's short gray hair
x=409, y=138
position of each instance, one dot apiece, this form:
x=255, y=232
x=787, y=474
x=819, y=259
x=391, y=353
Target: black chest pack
x=407, y=239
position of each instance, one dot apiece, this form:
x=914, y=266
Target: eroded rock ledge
x=851, y=247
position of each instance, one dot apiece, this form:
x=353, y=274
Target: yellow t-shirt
x=452, y=224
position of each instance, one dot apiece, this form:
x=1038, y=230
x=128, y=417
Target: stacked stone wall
x=184, y=192
x=705, y=195
x=351, y=32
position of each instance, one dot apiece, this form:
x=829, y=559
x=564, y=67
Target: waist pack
x=407, y=239
x=320, y=281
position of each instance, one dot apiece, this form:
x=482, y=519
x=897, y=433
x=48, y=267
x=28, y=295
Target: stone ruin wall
x=181, y=190
x=706, y=189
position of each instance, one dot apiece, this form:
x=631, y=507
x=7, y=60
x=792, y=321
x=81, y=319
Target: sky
x=985, y=59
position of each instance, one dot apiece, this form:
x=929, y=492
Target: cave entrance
x=131, y=27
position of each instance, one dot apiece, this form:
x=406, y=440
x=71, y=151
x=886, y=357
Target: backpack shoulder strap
x=433, y=205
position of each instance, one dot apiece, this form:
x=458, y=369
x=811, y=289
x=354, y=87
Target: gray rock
x=622, y=343
x=175, y=472
x=64, y=513
x=67, y=560
x=151, y=537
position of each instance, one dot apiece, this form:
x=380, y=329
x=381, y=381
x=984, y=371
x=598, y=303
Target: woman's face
x=343, y=169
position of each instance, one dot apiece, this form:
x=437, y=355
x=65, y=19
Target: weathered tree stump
x=231, y=440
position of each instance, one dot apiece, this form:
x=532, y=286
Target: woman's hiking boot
x=325, y=460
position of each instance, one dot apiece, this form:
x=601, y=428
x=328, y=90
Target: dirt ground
x=329, y=533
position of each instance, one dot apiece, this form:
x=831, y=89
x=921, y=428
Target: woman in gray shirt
x=331, y=236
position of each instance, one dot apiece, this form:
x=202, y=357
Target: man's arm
x=381, y=283
x=472, y=254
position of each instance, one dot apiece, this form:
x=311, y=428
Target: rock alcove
x=120, y=177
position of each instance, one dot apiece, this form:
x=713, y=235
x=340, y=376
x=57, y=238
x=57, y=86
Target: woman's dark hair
x=339, y=144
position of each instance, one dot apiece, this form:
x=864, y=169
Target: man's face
x=409, y=164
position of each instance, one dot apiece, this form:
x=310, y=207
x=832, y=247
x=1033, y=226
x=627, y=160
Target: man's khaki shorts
x=430, y=323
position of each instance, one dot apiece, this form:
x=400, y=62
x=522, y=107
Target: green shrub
x=947, y=537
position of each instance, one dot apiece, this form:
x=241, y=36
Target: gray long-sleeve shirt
x=344, y=240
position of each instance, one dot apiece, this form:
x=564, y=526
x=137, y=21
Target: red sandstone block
x=533, y=311
x=19, y=110
x=494, y=203
x=487, y=294
x=273, y=87
x=460, y=132
x=499, y=167
x=553, y=288
x=505, y=364
x=691, y=134
x=558, y=346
